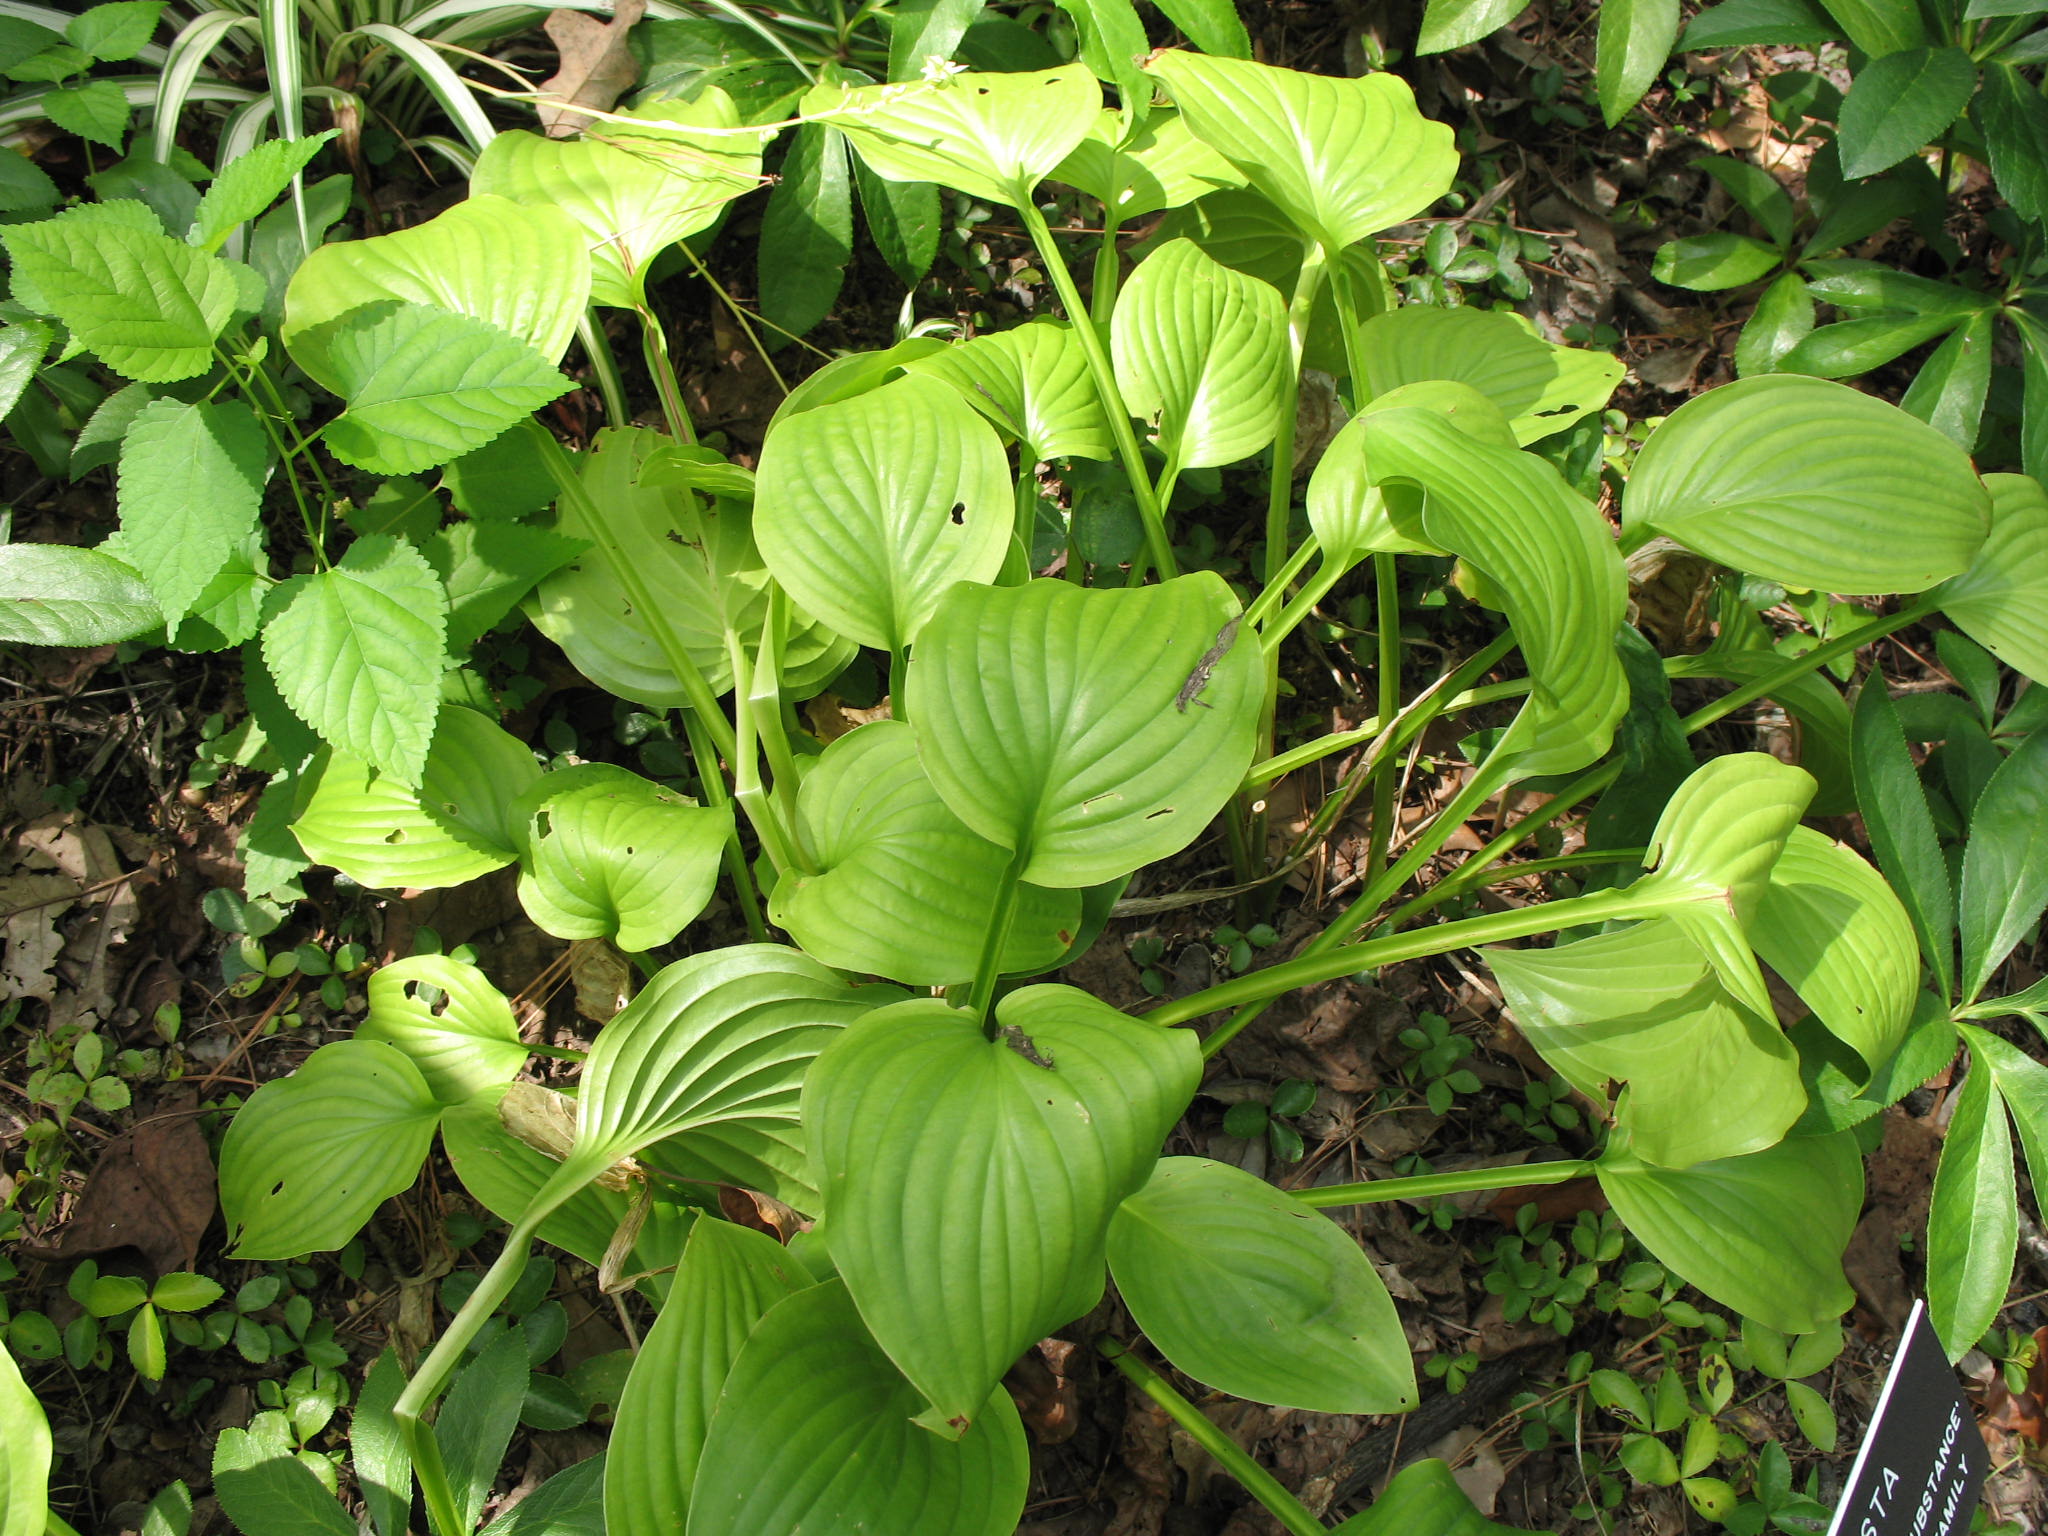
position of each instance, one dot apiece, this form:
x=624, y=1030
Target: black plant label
x=1923, y=1461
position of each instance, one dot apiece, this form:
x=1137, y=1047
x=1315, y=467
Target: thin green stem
x=1328, y=746
x=315, y=528
x=762, y=814
x=1108, y=269
x=1002, y=916
x=705, y=752
x=1054, y=264
x=597, y=347
x=1308, y=281
x=1809, y=661
x=654, y=348
x=1387, y=605
x=764, y=703
x=1256, y=1480
x=1432, y=1186
x=1274, y=593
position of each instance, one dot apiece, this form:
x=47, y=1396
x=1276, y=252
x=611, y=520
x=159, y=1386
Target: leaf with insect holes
x=463, y=1043
x=310, y=1157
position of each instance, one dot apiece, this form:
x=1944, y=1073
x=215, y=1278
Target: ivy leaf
x=190, y=491
x=95, y=110
x=356, y=652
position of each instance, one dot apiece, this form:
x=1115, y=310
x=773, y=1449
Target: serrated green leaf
x=263, y=1487
x=2022, y=1082
x=148, y=305
x=1830, y=926
x=1201, y=350
x=114, y=29
x=24, y=1455
x=604, y=853
x=1342, y=158
x=1707, y=1078
x=520, y=270
x=475, y=1424
x=1448, y=24
x=634, y=185
x=52, y=594
x=463, y=1043
x=356, y=652
x=1539, y=387
x=1763, y=1234
x=22, y=346
x=311, y=1156
x=988, y=135
x=1709, y=263
x=1138, y=169
x=571, y=1503
x=93, y=109
x=1900, y=103
x=2015, y=123
x=1901, y=828
x=248, y=184
x=870, y=508
x=1949, y=391
x=2005, y=863
x=1251, y=1293
x=728, y=1278
x=1033, y=382
x=423, y=385
x=1636, y=37
x=904, y=888
x=1850, y=347
x=814, y=1430
x=806, y=231
x=1812, y=484
x=25, y=187
x=1972, y=1222
x=969, y=1188
x=191, y=490
x=1115, y=748
x=1879, y=27
x=2001, y=601
x=488, y=567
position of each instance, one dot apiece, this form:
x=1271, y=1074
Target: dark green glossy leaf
x=2005, y=863
x=1901, y=103
x=2001, y=601
x=1850, y=347
x=2015, y=123
x=1972, y=1223
x=1708, y=263
x=1635, y=39
x=806, y=231
x=1901, y=828
x=1948, y=392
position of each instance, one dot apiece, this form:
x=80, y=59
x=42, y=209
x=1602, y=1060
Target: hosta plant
x=974, y=1151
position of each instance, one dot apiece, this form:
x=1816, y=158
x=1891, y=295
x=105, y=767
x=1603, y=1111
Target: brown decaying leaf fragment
x=153, y=1190
x=596, y=69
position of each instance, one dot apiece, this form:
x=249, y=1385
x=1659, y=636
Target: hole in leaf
x=1164, y=810
x=959, y=513
x=395, y=835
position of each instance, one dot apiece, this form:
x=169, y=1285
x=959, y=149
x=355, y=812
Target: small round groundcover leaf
x=464, y=1042
x=1101, y=728
x=867, y=509
x=1761, y=1234
x=727, y=1279
x=311, y=1156
x=2001, y=601
x=1342, y=158
x=813, y=1433
x=1252, y=1293
x=1539, y=387
x=969, y=1182
x=989, y=135
x=904, y=888
x=1810, y=483
x=456, y=827
x=604, y=853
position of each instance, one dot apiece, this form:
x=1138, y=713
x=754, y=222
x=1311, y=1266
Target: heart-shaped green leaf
x=1343, y=158
x=1707, y=1078
x=868, y=509
x=455, y=827
x=1033, y=382
x=1831, y=927
x=814, y=1432
x=1762, y=1234
x=904, y=887
x=1201, y=349
x=1539, y=387
x=2001, y=601
x=1135, y=171
x=1127, y=733
x=969, y=1182
x=634, y=185
x=989, y=135
x=1252, y=1293
x=604, y=853
x=1810, y=483
x=311, y=1156
x=1548, y=551
x=463, y=1041
x=522, y=270
x=728, y=1278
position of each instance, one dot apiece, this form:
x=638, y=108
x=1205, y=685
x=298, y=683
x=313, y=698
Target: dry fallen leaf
x=597, y=66
x=153, y=1190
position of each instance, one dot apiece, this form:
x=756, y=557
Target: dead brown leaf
x=597, y=66
x=153, y=1190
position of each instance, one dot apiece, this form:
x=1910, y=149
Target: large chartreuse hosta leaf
x=2001, y=601
x=1032, y=381
x=1201, y=349
x=904, y=887
x=1547, y=551
x=1342, y=158
x=464, y=1039
x=1123, y=729
x=684, y=523
x=24, y=1455
x=1810, y=483
x=813, y=1433
x=311, y=1156
x=1762, y=1234
x=635, y=184
x=1252, y=1293
x=1707, y=1078
x=969, y=1182
x=728, y=1278
x=1138, y=170
x=989, y=135
x=869, y=508
x=1539, y=387
x=520, y=269
x=604, y=853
